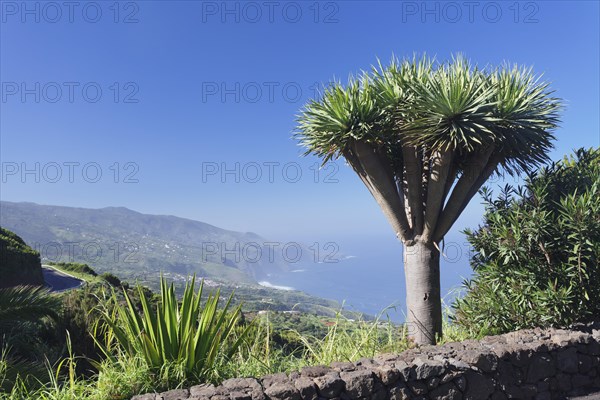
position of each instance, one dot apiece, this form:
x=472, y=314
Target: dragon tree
x=423, y=137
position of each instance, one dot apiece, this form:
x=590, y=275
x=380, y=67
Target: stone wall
x=527, y=364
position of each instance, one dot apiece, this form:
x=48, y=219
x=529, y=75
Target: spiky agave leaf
x=451, y=110
x=188, y=335
x=448, y=106
x=325, y=126
x=525, y=113
x=393, y=87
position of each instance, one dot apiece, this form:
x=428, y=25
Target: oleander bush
x=536, y=255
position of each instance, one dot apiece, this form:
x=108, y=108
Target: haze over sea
x=369, y=275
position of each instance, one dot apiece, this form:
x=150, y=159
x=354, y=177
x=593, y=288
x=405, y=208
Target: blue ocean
x=369, y=276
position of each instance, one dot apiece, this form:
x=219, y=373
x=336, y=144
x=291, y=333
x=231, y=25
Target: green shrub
x=19, y=263
x=23, y=310
x=536, y=256
x=75, y=267
x=184, y=342
x=352, y=340
x=267, y=350
x=111, y=279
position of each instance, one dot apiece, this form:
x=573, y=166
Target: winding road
x=59, y=281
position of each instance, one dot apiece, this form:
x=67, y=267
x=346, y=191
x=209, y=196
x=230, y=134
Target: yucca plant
x=186, y=337
x=424, y=137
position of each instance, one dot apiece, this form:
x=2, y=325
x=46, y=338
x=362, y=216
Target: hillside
x=139, y=247
x=19, y=263
x=135, y=245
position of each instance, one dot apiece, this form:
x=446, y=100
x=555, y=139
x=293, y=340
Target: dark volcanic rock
x=176, y=394
x=359, y=383
x=448, y=391
x=529, y=364
x=329, y=385
x=478, y=386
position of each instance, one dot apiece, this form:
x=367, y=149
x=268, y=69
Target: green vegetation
x=186, y=338
x=139, y=247
x=124, y=341
x=536, y=263
x=537, y=255
x=424, y=137
x=25, y=312
x=256, y=299
x=279, y=342
x=19, y=263
x=77, y=268
x=111, y=279
x=26, y=303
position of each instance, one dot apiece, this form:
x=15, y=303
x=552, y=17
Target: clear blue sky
x=186, y=99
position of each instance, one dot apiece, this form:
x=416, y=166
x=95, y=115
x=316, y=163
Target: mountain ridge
x=141, y=243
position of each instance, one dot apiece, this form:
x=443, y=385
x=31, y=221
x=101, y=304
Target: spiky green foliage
x=189, y=337
x=537, y=255
x=26, y=303
x=436, y=106
x=342, y=114
x=23, y=310
x=20, y=307
x=423, y=137
x=451, y=108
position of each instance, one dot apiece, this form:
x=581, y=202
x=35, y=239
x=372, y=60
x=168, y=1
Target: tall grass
x=62, y=382
x=348, y=340
x=155, y=348
x=345, y=340
x=258, y=355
